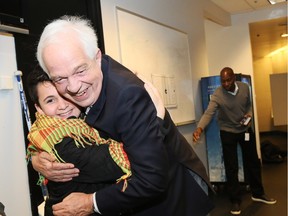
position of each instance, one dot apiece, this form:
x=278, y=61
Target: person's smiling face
x=76, y=76
x=54, y=105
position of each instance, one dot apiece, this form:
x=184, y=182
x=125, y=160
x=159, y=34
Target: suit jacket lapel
x=97, y=107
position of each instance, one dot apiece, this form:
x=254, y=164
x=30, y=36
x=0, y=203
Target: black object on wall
x=12, y=16
x=39, y=13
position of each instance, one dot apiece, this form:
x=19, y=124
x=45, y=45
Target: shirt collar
x=235, y=90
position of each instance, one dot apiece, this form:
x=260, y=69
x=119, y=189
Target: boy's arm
x=94, y=161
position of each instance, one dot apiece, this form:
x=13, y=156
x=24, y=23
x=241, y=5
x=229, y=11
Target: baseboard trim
x=278, y=133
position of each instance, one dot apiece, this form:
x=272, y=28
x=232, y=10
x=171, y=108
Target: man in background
x=233, y=104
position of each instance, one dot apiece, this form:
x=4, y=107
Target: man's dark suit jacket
x=161, y=183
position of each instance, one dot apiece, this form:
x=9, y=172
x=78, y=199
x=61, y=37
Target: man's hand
x=154, y=95
x=79, y=204
x=45, y=164
x=197, y=133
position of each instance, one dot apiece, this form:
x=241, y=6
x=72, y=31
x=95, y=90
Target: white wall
x=184, y=15
x=14, y=187
x=228, y=46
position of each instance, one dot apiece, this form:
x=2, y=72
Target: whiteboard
x=14, y=185
x=150, y=48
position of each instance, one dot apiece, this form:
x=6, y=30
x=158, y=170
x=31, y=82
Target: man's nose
x=226, y=83
x=73, y=85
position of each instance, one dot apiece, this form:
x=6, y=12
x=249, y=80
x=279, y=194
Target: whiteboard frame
x=148, y=47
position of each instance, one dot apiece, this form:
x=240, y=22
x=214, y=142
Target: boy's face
x=52, y=104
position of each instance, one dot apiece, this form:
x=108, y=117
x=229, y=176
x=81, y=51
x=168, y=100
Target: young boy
x=58, y=131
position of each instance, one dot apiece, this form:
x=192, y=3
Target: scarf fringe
x=47, y=131
x=125, y=179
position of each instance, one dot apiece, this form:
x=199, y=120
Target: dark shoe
x=264, y=199
x=235, y=210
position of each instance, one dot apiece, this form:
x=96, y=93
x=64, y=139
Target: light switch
x=6, y=82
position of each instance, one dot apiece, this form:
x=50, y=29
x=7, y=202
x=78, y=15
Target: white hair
x=83, y=29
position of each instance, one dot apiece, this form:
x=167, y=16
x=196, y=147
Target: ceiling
x=265, y=35
x=242, y=6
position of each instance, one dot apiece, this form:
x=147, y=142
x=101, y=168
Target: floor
x=274, y=176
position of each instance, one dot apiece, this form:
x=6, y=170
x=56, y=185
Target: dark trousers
x=251, y=163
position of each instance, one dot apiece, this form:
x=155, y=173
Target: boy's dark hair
x=33, y=79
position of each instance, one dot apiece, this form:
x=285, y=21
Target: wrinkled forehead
x=63, y=59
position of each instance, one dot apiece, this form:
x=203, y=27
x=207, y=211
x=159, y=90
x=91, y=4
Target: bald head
x=227, y=71
x=228, y=79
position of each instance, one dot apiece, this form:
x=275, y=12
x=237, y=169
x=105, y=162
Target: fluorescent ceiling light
x=276, y=1
x=284, y=35
x=282, y=49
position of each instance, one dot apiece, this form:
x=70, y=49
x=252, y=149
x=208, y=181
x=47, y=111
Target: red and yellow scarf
x=47, y=131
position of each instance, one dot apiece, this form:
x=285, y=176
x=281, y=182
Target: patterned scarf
x=47, y=131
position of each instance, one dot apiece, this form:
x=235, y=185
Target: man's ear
x=38, y=108
x=98, y=57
